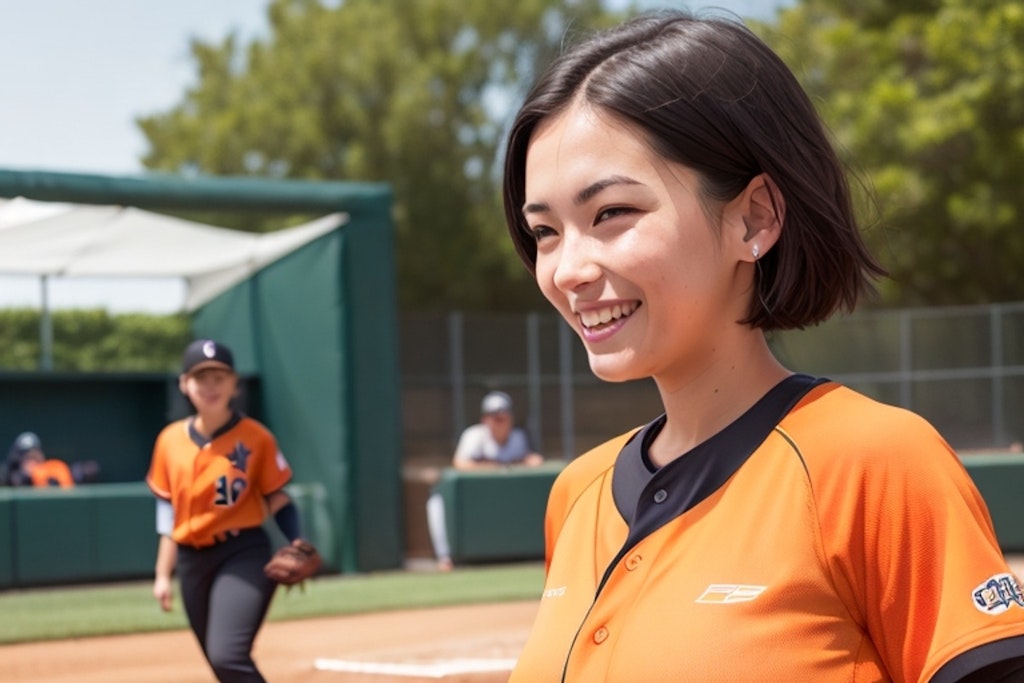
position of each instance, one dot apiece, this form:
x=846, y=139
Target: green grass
x=82, y=611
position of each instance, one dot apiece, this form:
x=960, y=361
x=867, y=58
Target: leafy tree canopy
x=926, y=99
x=414, y=93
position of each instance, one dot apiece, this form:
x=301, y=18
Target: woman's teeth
x=603, y=316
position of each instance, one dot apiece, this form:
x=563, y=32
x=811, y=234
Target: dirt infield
x=412, y=646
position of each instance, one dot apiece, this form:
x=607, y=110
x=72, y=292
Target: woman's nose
x=578, y=262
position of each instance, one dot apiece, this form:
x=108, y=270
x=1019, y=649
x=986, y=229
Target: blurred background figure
x=493, y=442
x=27, y=465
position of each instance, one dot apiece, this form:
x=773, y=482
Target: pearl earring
x=755, y=251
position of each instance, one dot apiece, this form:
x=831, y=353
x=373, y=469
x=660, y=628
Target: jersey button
x=633, y=562
x=600, y=635
x=660, y=495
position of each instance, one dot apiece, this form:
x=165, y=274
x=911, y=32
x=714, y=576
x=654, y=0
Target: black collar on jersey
x=201, y=440
x=649, y=501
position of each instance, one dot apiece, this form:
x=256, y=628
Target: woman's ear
x=761, y=210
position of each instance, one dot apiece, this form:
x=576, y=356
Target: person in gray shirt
x=493, y=442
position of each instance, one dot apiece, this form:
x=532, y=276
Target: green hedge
x=94, y=340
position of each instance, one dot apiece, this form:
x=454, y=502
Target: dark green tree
x=926, y=100
x=416, y=93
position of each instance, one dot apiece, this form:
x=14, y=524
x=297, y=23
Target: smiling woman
x=673, y=191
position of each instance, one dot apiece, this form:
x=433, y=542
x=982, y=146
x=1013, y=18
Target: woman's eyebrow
x=590, y=191
x=584, y=195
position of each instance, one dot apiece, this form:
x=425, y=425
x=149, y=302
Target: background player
x=495, y=441
x=27, y=465
x=672, y=189
x=217, y=475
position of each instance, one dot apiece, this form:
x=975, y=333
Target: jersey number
x=228, y=490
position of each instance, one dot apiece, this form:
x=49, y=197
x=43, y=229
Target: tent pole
x=46, y=326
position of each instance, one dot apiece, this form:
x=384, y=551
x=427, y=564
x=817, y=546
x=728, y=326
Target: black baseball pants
x=226, y=597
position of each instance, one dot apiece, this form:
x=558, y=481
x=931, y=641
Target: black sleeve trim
x=999, y=661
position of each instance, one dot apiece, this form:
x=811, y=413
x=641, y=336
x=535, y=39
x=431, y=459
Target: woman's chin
x=614, y=369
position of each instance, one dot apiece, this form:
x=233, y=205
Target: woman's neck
x=708, y=401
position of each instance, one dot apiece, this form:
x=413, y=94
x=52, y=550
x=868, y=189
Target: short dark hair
x=710, y=95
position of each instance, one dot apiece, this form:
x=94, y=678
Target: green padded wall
x=1000, y=480
x=497, y=514
x=94, y=532
x=99, y=532
x=319, y=328
x=53, y=537
x=6, y=540
x=371, y=391
x=123, y=530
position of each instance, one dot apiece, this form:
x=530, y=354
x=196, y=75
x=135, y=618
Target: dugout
x=315, y=338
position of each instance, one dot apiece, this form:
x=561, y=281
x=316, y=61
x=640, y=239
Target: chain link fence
x=962, y=368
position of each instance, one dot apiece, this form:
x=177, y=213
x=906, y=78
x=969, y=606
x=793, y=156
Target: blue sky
x=76, y=73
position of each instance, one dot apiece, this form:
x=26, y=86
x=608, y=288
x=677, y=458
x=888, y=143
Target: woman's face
x=626, y=251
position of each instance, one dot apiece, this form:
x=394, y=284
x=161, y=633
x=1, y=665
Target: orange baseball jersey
x=217, y=486
x=820, y=537
x=52, y=472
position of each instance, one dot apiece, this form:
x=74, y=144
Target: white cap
x=496, y=402
x=26, y=441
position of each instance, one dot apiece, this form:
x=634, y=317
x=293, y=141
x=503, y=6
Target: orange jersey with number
x=218, y=486
x=841, y=540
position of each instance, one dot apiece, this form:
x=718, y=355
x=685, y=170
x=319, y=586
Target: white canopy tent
x=69, y=240
x=51, y=239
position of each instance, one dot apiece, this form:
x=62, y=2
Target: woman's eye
x=540, y=231
x=611, y=212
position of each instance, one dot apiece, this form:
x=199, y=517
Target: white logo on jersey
x=721, y=593
x=282, y=464
x=555, y=592
x=998, y=594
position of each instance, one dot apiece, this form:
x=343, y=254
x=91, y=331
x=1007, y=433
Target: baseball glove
x=293, y=563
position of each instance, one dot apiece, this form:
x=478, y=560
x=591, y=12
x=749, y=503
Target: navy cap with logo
x=206, y=353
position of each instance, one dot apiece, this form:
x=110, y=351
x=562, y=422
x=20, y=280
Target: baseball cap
x=26, y=441
x=206, y=353
x=496, y=402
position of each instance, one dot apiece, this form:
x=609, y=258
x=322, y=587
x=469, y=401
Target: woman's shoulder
x=594, y=463
x=582, y=474
x=837, y=424
x=841, y=407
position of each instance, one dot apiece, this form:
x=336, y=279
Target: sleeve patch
x=282, y=464
x=998, y=594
